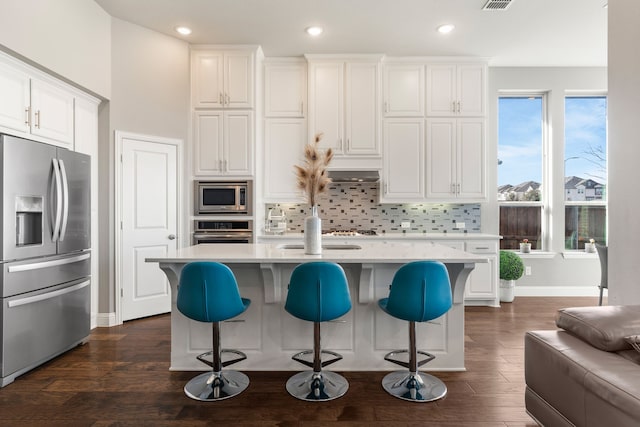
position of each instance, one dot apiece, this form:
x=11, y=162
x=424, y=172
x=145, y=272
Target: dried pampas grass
x=312, y=176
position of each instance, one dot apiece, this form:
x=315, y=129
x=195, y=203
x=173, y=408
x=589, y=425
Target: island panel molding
x=269, y=335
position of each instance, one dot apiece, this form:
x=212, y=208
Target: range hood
x=354, y=176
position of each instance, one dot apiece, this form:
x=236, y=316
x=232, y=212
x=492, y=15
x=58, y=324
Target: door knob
x=172, y=236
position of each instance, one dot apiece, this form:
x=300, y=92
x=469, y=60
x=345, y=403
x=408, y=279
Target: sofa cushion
x=604, y=327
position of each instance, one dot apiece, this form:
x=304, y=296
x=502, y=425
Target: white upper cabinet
x=285, y=89
x=52, y=112
x=222, y=79
x=455, y=159
x=344, y=105
x=362, y=112
x=403, y=90
x=34, y=106
x=403, y=171
x=456, y=90
x=284, y=141
x=15, y=100
x=223, y=143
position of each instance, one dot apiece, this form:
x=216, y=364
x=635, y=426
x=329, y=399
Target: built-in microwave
x=223, y=197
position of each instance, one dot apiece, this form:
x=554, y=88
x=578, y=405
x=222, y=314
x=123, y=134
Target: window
x=585, y=170
x=521, y=139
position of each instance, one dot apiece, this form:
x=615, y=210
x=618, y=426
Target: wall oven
x=223, y=197
x=222, y=231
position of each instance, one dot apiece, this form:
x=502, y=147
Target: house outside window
x=585, y=166
x=522, y=130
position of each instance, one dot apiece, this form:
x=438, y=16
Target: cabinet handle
x=221, y=99
x=453, y=104
x=220, y=165
x=226, y=169
x=459, y=104
x=386, y=107
x=228, y=98
x=481, y=248
x=27, y=115
x=38, y=119
x=453, y=188
x=340, y=141
x=302, y=108
x=386, y=188
x=347, y=144
x=458, y=188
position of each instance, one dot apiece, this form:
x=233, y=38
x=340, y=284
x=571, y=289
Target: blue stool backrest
x=208, y=292
x=318, y=291
x=420, y=291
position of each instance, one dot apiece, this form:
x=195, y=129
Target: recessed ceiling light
x=185, y=31
x=446, y=28
x=314, y=31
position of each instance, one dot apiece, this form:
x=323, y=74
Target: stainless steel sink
x=327, y=247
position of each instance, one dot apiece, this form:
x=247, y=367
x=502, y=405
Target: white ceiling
x=528, y=33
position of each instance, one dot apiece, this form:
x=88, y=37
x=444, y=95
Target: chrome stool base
x=317, y=386
x=414, y=386
x=213, y=386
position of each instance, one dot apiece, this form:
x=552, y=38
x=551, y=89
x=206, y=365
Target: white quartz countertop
x=389, y=236
x=368, y=252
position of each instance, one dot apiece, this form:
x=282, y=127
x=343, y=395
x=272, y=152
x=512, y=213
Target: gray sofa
x=586, y=373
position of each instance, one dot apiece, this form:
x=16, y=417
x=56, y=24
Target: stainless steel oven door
x=199, y=238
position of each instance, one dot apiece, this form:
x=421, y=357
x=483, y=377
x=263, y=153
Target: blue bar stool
x=208, y=292
x=318, y=292
x=420, y=292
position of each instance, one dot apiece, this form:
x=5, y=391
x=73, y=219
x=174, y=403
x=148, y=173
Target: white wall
x=556, y=275
x=150, y=95
x=70, y=38
x=624, y=151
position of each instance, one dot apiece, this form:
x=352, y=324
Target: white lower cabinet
x=482, y=285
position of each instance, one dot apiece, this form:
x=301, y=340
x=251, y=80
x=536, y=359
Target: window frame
x=594, y=203
x=545, y=220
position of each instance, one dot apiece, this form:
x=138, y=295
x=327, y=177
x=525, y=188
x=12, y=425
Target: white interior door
x=149, y=177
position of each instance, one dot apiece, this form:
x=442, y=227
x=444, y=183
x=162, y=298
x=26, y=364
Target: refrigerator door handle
x=65, y=200
x=48, y=295
x=58, y=207
x=47, y=264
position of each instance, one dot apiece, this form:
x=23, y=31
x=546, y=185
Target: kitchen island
x=269, y=335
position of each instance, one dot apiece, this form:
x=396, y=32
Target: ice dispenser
x=28, y=220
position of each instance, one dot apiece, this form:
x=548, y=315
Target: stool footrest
x=298, y=358
x=389, y=358
x=203, y=357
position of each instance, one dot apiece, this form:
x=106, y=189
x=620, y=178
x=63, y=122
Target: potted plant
x=511, y=269
x=525, y=246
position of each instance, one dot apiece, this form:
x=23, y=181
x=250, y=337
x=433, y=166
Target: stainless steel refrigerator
x=45, y=256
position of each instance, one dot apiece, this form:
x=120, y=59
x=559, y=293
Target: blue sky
x=520, y=143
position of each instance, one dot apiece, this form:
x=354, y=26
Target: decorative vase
x=590, y=247
x=507, y=290
x=525, y=248
x=313, y=233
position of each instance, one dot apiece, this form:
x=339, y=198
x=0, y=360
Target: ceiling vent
x=497, y=5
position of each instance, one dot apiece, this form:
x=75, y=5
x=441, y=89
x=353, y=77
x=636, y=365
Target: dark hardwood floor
x=121, y=378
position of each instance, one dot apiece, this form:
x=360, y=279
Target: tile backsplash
x=349, y=206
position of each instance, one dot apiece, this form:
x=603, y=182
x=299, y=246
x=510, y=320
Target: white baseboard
x=557, y=291
x=103, y=320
